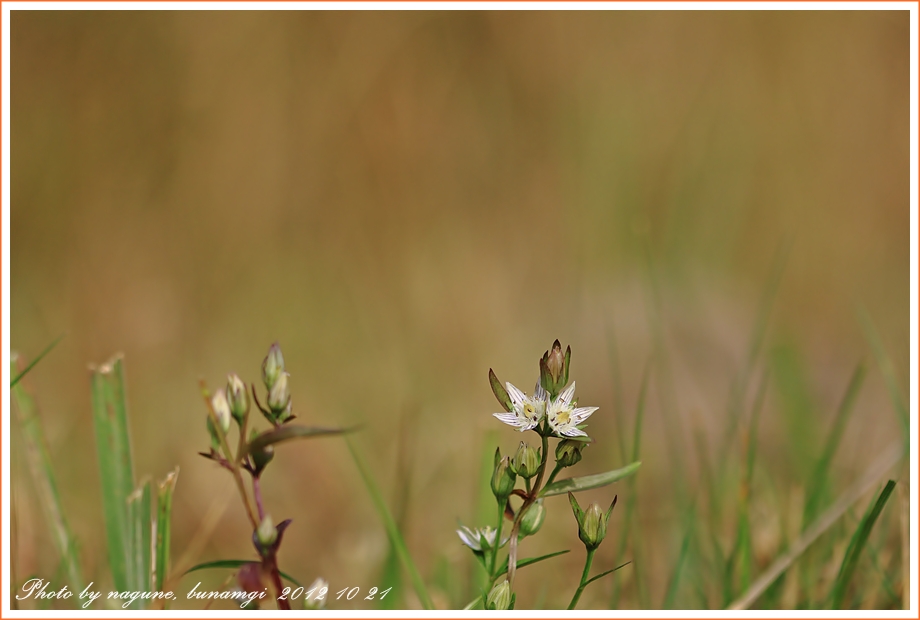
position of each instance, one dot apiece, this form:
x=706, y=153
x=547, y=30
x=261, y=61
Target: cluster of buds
x=275, y=379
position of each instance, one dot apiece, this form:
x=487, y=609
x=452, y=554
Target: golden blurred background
x=406, y=199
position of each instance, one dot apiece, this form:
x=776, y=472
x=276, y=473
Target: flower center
x=562, y=418
x=528, y=409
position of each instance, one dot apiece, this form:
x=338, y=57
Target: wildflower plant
x=231, y=406
x=553, y=414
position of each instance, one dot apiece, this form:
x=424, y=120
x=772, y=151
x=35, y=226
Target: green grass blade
x=888, y=373
x=856, y=546
x=818, y=487
x=671, y=594
x=165, y=492
x=140, y=520
x=35, y=361
x=234, y=564
x=113, y=447
x=39, y=461
x=584, y=483
x=389, y=524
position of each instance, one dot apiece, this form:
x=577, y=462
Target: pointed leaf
x=565, y=365
x=285, y=433
x=589, y=482
x=605, y=573
x=500, y=392
x=529, y=561
x=164, y=518
x=36, y=360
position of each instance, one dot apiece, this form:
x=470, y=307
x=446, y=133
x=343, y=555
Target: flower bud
x=221, y=409
x=238, y=397
x=526, y=461
x=503, y=479
x=272, y=366
x=319, y=587
x=267, y=534
x=279, y=397
x=533, y=519
x=499, y=598
x=592, y=523
x=568, y=452
x=555, y=362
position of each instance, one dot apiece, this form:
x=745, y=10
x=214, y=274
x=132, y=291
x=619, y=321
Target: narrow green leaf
x=291, y=431
x=500, y=393
x=584, y=483
x=605, y=573
x=40, y=466
x=234, y=564
x=35, y=361
x=818, y=488
x=164, y=519
x=529, y=561
x=389, y=524
x=140, y=563
x=671, y=594
x=110, y=418
x=856, y=546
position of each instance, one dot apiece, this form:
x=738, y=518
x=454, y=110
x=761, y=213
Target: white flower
x=564, y=418
x=221, y=408
x=527, y=410
x=481, y=539
x=316, y=594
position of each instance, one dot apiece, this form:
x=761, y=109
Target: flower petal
x=567, y=394
x=517, y=396
x=583, y=413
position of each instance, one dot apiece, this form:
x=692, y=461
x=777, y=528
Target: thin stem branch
x=498, y=541
x=531, y=498
x=584, y=579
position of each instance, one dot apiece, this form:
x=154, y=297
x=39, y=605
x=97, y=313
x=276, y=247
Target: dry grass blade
x=866, y=483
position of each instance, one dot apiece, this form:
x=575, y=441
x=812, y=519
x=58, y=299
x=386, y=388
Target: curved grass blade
x=36, y=360
x=856, y=546
x=529, y=561
x=594, y=481
x=389, y=524
x=39, y=462
x=234, y=564
x=292, y=431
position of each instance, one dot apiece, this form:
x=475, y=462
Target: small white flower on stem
x=479, y=540
x=564, y=418
x=527, y=411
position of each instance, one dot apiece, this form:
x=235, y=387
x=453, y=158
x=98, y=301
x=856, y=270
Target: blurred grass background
x=405, y=200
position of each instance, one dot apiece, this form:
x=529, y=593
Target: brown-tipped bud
x=533, y=519
x=499, y=598
x=272, y=366
x=503, y=480
x=555, y=362
x=527, y=461
x=238, y=397
x=568, y=452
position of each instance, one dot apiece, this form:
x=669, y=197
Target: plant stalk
x=584, y=579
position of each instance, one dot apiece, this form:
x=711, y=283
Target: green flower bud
x=503, y=479
x=568, y=452
x=592, y=523
x=272, y=366
x=238, y=397
x=526, y=461
x=267, y=534
x=533, y=519
x=499, y=598
x=279, y=397
x=221, y=409
x=215, y=438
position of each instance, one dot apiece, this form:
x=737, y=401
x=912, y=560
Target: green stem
x=498, y=542
x=552, y=476
x=531, y=498
x=584, y=579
